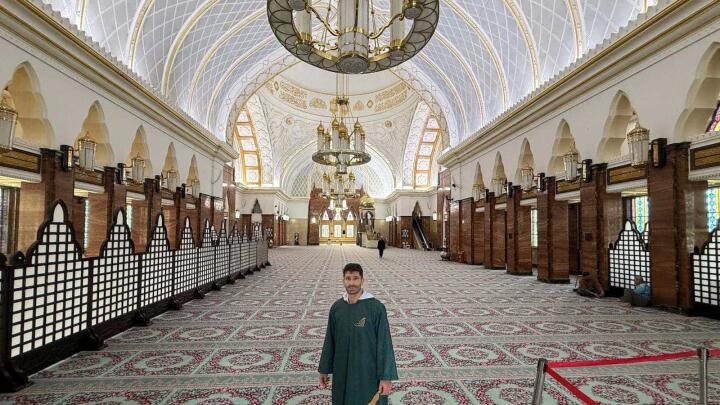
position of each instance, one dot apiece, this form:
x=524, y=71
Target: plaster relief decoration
x=390, y=98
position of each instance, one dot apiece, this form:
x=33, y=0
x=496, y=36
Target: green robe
x=358, y=351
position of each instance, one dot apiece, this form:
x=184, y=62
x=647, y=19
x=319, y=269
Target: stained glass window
x=712, y=197
x=425, y=152
x=640, y=212
x=715, y=120
x=533, y=227
x=249, y=152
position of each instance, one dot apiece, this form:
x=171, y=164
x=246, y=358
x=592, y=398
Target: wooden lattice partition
x=629, y=257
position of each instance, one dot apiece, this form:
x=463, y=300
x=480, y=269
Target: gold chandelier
x=340, y=146
x=338, y=186
x=357, y=41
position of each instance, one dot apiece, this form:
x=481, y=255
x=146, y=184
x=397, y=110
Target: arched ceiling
x=485, y=55
x=208, y=57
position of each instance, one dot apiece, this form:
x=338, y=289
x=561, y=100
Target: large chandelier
x=354, y=39
x=340, y=146
x=337, y=186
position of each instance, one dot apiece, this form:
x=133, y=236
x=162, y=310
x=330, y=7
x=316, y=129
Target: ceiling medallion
x=352, y=35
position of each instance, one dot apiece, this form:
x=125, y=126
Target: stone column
x=466, y=230
x=553, y=242
x=519, y=255
x=678, y=215
x=102, y=209
x=478, y=234
x=601, y=221
x=37, y=199
x=489, y=219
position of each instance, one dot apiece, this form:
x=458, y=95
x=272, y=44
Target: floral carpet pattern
x=462, y=335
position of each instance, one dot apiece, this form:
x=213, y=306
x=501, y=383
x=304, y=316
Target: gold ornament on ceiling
x=370, y=104
x=353, y=41
x=388, y=124
x=318, y=103
x=367, y=201
x=359, y=106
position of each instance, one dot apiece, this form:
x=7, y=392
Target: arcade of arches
x=166, y=237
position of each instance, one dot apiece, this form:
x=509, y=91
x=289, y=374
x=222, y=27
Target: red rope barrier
x=570, y=387
x=551, y=365
x=630, y=360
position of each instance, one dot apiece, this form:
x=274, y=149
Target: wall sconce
x=570, y=164
x=121, y=174
x=389, y=218
x=313, y=220
x=638, y=139
x=285, y=217
x=137, y=166
x=657, y=151
x=434, y=216
x=86, y=152
x=170, y=180
x=68, y=157
x=194, y=188
x=237, y=214
x=478, y=192
x=527, y=176
x=498, y=186
x=8, y=123
x=585, y=170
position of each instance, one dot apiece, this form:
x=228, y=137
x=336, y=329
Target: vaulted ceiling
x=208, y=57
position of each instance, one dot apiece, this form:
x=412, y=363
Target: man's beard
x=353, y=290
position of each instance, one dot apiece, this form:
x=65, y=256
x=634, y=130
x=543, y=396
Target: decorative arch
x=192, y=171
x=526, y=159
x=621, y=118
x=564, y=143
x=703, y=97
x=478, y=181
x=23, y=94
x=170, y=162
x=499, y=168
x=140, y=147
x=94, y=128
x=425, y=153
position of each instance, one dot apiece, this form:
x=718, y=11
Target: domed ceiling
x=208, y=57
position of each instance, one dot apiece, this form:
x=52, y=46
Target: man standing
x=358, y=349
x=381, y=246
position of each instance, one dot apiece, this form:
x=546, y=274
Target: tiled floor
x=462, y=335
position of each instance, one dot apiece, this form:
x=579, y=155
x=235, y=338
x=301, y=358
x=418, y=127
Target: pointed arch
x=564, y=142
x=94, y=128
x=499, y=168
x=478, y=180
x=170, y=162
x=614, y=141
x=526, y=159
x=23, y=94
x=703, y=96
x=140, y=147
x=192, y=172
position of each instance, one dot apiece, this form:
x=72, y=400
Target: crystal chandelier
x=339, y=146
x=353, y=39
x=338, y=186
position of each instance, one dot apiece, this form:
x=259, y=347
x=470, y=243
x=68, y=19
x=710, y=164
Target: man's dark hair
x=353, y=267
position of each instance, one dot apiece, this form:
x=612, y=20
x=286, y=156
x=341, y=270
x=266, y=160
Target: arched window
x=425, y=153
x=249, y=161
x=338, y=217
x=350, y=216
x=325, y=216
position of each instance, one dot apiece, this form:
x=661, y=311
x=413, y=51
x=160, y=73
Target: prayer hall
x=350, y=202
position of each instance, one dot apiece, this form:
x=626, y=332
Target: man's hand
x=385, y=387
x=324, y=381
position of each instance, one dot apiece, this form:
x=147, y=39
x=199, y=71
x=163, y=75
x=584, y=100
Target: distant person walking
x=381, y=246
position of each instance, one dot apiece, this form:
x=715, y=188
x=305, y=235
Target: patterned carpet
x=462, y=335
